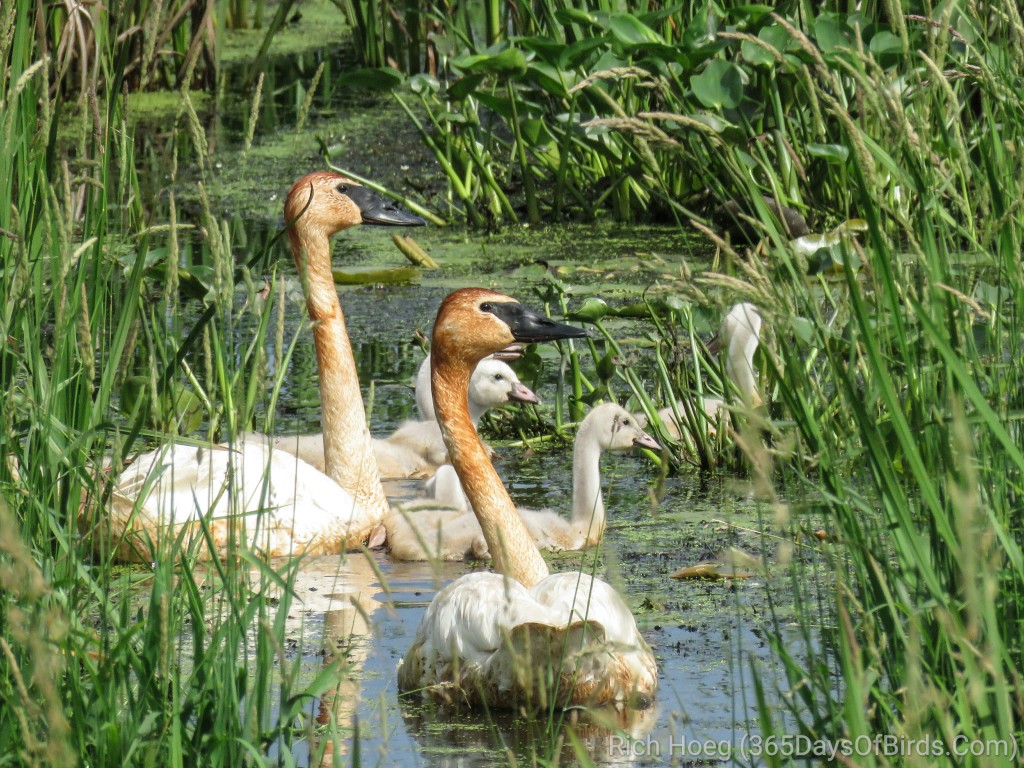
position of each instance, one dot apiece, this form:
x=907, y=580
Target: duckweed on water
x=313, y=26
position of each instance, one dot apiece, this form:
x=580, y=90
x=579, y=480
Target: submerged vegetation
x=891, y=368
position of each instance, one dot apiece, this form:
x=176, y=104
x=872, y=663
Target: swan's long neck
x=476, y=411
x=587, y=504
x=348, y=452
x=513, y=549
x=739, y=365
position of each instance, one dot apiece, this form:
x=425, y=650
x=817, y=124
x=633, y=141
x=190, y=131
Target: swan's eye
x=498, y=377
x=486, y=307
x=342, y=188
x=625, y=422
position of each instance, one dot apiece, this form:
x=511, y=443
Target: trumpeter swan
x=517, y=637
x=284, y=505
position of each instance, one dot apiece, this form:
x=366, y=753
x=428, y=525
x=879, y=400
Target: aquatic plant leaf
x=885, y=42
x=555, y=82
x=576, y=16
x=508, y=63
x=749, y=14
x=424, y=84
x=719, y=85
x=465, y=86
x=702, y=30
x=590, y=310
x=629, y=30
x=547, y=48
x=829, y=33
x=776, y=37
x=715, y=122
x=886, y=47
x=497, y=104
x=606, y=366
x=368, y=275
x=580, y=53
x=375, y=78
x=536, y=132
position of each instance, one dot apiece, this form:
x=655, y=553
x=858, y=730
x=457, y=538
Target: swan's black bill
x=527, y=326
x=377, y=209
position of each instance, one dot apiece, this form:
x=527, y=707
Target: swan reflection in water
x=464, y=738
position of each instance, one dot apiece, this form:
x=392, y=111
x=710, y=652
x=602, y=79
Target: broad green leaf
x=774, y=36
x=702, y=30
x=592, y=309
x=581, y=52
x=830, y=33
x=465, y=86
x=629, y=30
x=377, y=78
x=885, y=42
x=424, y=84
x=555, y=82
x=715, y=122
x=508, y=63
x=547, y=48
x=749, y=14
x=719, y=85
x=576, y=16
x=536, y=133
x=497, y=104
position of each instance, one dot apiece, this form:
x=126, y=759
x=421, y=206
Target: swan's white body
x=416, y=448
x=275, y=503
x=487, y=637
x=518, y=637
x=426, y=534
x=249, y=494
x=739, y=335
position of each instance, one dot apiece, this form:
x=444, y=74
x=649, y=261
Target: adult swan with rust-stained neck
x=279, y=504
x=518, y=637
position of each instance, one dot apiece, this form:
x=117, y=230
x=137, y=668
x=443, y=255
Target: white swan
x=416, y=449
x=283, y=505
x=420, y=534
x=739, y=336
x=517, y=637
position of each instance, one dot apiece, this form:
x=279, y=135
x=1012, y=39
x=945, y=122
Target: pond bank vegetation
x=889, y=372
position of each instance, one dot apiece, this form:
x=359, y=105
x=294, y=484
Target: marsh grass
x=892, y=383
x=895, y=396
x=97, y=354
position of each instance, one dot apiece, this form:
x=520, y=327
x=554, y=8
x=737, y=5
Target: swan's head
x=323, y=203
x=494, y=384
x=617, y=429
x=473, y=323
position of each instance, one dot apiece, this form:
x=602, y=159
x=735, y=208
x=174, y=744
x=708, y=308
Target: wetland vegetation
x=572, y=154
